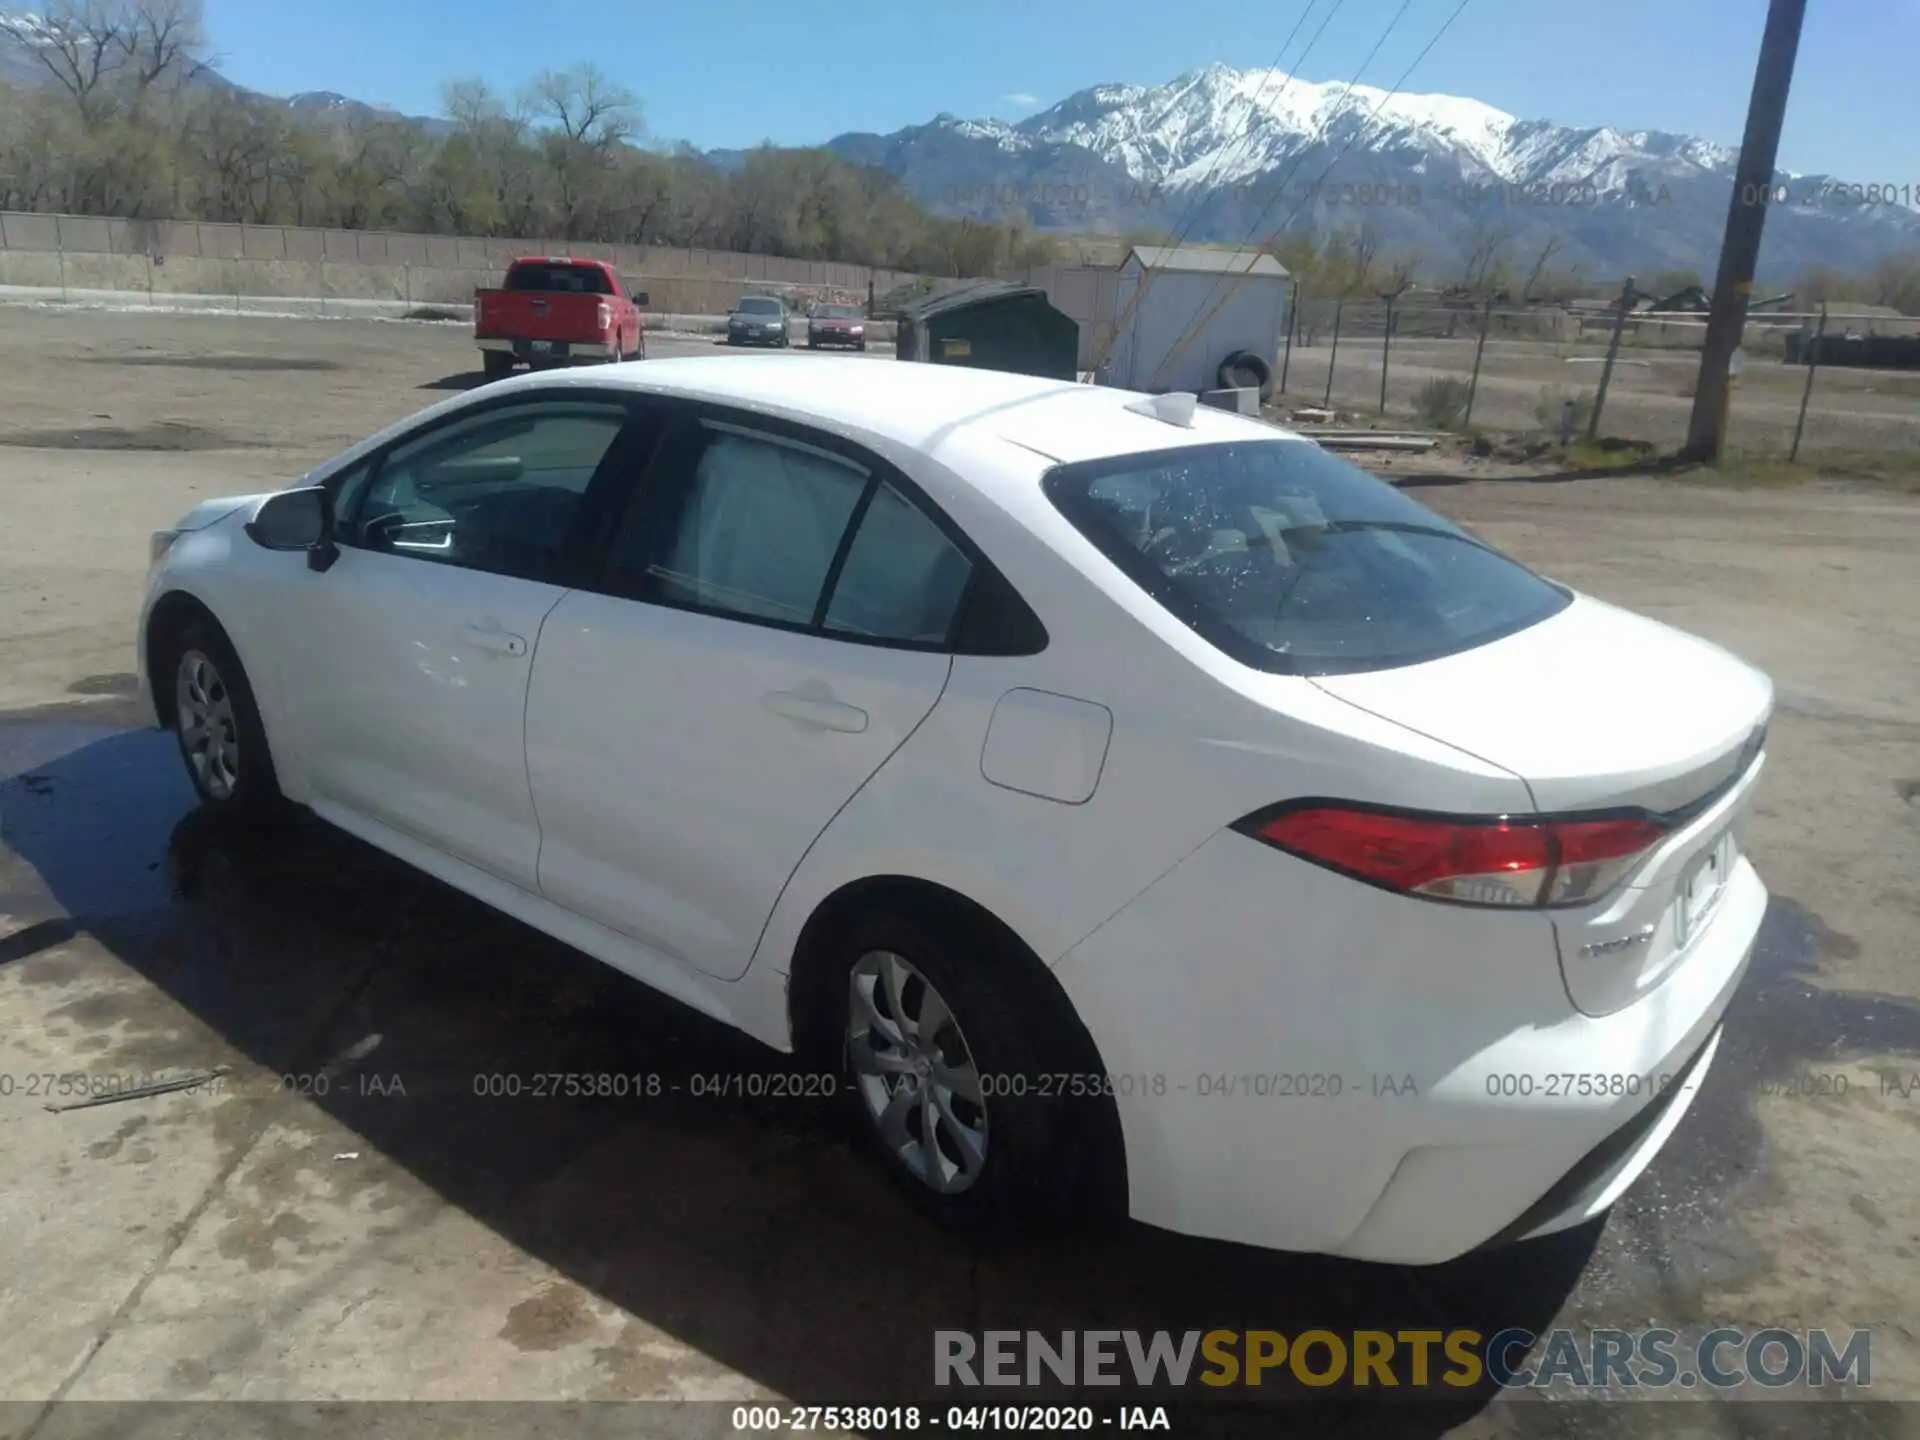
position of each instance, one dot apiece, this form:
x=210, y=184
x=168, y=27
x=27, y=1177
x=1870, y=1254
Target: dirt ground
x=336, y=1239
x=1649, y=397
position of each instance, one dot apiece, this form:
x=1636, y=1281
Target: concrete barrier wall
x=240, y=262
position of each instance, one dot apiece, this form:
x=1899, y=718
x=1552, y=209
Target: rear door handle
x=500, y=642
x=817, y=710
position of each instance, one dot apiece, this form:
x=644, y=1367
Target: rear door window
x=767, y=526
x=1290, y=559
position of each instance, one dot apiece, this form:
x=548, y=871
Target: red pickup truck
x=553, y=310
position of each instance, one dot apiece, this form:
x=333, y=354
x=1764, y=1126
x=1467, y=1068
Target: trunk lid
x=1596, y=709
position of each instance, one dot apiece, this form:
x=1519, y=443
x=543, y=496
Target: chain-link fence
x=1502, y=367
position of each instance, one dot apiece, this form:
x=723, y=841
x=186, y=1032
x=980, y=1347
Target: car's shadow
x=467, y=380
x=745, y=1225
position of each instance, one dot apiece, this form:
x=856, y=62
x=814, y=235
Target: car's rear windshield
x=754, y=306
x=837, y=312
x=1292, y=560
x=580, y=279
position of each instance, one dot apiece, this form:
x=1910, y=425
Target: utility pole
x=1628, y=297
x=1479, y=349
x=1746, y=214
x=1386, y=348
x=1812, y=357
x=1339, y=304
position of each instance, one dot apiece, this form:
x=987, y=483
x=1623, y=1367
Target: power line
x=1195, y=324
x=1199, y=324
x=1190, y=215
x=1197, y=201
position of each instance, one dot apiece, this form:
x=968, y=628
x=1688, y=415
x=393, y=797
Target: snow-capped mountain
x=1231, y=155
x=1220, y=126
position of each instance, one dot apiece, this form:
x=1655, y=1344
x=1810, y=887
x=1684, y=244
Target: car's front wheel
x=949, y=1065
x=217, y=724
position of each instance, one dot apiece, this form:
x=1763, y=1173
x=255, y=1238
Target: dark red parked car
x=841, y=325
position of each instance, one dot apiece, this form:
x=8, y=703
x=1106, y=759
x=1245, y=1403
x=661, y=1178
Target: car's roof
x=917, y=404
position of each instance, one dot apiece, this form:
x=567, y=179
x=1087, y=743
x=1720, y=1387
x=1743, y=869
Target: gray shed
x=1237, y=298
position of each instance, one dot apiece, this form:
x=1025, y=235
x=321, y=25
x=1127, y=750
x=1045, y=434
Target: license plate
x=541, y=347
x=1701, y=888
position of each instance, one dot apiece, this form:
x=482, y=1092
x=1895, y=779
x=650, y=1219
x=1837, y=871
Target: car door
x=771, y=623
x=415, y=646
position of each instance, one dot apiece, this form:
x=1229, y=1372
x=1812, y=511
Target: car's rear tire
x=946, y=1063
x=496, y=364
x=216, y=722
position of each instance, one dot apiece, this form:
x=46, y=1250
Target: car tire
x=1004, y=1165
x=495, y=364
x=216, y=723
x=1244, y=370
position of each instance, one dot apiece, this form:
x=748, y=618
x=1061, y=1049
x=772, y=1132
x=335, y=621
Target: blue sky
x=734, y=72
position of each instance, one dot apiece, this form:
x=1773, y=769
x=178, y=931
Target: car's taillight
x=1498, y=861
x=603, y=316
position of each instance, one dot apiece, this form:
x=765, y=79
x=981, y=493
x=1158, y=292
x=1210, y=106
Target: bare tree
x=1547, y=252
x=1401, y=268
x=585, y=107
x=1896, y=282
x=82, y=44
x=88, y=47
x=586, y=120
x=166, y=41
x=1363, y=251
x=1486, y=256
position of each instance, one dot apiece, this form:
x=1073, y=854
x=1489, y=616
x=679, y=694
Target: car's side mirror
x=297, y=520
x=640, y=298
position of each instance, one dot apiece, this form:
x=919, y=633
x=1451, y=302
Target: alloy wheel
x=209, y=733
x=915, y=1073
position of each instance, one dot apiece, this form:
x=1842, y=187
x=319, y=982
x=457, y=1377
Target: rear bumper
x=560, y=349
x=1305, y=1063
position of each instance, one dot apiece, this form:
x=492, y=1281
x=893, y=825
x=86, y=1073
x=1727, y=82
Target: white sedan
x=1120, y=804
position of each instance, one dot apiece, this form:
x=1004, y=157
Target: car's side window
x=499, y=490
x=740, y=522
x=903, y=577
x=783, y=527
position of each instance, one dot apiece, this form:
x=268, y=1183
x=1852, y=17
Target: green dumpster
x=994, y=325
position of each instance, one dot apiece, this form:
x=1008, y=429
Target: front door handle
x=500, y=642
x=828, y=714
